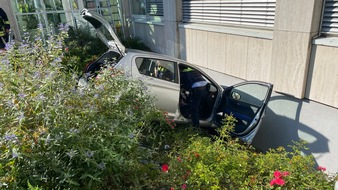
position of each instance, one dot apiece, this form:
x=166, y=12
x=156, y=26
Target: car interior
x=243, y=102
x=157, y=68
x=206, y=106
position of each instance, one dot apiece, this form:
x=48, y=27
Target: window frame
x=147, y=16
x=153, y=60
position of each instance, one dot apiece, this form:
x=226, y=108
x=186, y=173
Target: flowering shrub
x=224, y=163
x=81, y=48
x=54, y=135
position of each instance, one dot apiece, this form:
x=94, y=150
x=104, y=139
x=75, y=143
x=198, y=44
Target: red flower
x=165, y=168
x=277, y=181
x=277, y=174
x=197, y=155
x=278, y=178
x=184, y=186
x=171, y=188
x=286, y=173
x=321, y=168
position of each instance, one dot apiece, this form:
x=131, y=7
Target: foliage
x=81, y=49
x=134, y=43
x=224, y=163
x=55, y=135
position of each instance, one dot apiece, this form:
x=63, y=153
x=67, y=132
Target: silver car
x=246, y=101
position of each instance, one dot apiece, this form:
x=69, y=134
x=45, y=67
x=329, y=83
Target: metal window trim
x=262, y=12
x=238, y=30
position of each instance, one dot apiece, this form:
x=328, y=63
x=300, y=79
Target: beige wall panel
x=183, y=35
x=324, y=81
x=290, y=61
x=189, y=50
x=216, y=51
x=297, y=15
x=236, y=56
x=152, y=36
x=259, y=59
x=198, y=46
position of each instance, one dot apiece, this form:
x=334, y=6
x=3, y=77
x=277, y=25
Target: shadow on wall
x=282, y=126
x=158, y=37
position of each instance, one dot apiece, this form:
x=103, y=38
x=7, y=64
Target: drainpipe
x=318, y=35
x=321, y=22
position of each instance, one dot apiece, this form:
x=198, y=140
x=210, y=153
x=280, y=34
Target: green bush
x=55, y=135
x=224, y=163
x=81, y=48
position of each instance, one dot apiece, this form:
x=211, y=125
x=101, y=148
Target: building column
x=7, y=7
x=296, y=23
x=172, y=16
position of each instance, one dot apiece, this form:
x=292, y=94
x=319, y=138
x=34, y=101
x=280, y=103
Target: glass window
x=162, y=69
x=155, y=7
x=147, y=7
x=138, y=7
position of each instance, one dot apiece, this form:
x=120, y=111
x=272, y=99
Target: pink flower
x=184, y=186
x=321, y=168
x=277, y=181
x=286, y=173
x=171, y=188
x=165, y=168
x=277, y=174
x=278, y=178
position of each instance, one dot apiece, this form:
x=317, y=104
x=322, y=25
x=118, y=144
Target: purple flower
x=10, y=137
x=100, y=87
x=41, y=97
x=10, y=103
x=37, y=74
x=40, y=26
x=5, y=61
x=102, y=166
x=15, y=155
x=71, y=153
x=21, y=116
x=22, y=96
x=89, y=154
x=131, y=135
x=73, y=130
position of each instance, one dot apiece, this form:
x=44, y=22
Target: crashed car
x=246, y=101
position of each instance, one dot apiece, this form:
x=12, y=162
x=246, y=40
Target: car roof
x=133, y=52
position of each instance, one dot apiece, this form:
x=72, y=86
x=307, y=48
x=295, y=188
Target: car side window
x=157, y=68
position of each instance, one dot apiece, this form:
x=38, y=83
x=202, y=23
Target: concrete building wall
x=280, y=55
x=323, y=75
x=240, y=56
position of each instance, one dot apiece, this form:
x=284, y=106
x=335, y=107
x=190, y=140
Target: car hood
x=104, y=30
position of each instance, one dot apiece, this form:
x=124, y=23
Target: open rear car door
x=247, y=102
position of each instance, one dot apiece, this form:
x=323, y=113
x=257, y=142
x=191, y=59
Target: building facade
x=289, y=43
x=292, y=44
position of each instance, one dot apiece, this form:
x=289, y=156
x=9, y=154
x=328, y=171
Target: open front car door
x=247, y=102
